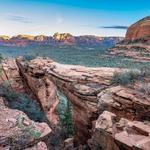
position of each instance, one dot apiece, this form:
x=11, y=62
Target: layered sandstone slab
x=91, y=93
x=125, y=102
x=112, y=133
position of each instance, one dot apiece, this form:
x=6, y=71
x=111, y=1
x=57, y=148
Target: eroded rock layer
x=139, y=30
x=79, y=84
x=104, y=116
x=136, y=44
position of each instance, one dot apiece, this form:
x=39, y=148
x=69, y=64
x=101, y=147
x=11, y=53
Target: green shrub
x=128, y=77
x=30, y=131
x=145, y=88
x=125, y=78
x=23, y=103
x=1, y=58
x=145, y=71
x=64, y=112
x=29, y=57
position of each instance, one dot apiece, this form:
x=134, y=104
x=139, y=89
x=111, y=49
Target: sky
x=78, y=17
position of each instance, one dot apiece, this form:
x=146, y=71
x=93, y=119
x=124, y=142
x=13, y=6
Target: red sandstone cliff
x=137, y=42
x=139, y=30
x=104, y=115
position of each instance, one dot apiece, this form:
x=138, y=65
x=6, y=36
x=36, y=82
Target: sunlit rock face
x=104, y=115
x=136, y=44
x=38, y=88
x=139, y=30
x=64, y=37
x=79, y=84
x=113, y=133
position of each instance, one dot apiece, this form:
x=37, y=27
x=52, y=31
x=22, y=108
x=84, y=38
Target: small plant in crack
x=29, y=130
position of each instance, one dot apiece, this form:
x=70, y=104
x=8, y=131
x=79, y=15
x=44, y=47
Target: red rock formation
x=64, y=37
x=112, y=133
x=59, y=39
x=80, y=85
x=16, y=129
x=38, y=146
x=139, y=30
x=126, y=102
x=137, y=42
x=123, y=121
x=42, y=89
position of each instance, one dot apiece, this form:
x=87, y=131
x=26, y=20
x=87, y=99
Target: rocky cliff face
x=64, y=37
x=137, y=42
x=139, y=30
x=104, y=116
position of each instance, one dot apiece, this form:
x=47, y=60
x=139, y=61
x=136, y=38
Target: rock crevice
x=103, y=114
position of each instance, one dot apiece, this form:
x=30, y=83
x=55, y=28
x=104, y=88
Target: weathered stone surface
x=79, y=84
x=138, y=51
x=68, y=144
x=140, y=29
x=137, y=42
x=125, y=102
x=91, y=94
x=17, y=131
x=10, y=76
x=112, y=133
x=41, y=89
x=38, y=146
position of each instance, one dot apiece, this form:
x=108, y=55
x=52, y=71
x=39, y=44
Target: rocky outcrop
x=104, y=116
x=42, y=89
x=139, y=52
x=126, y=102
x=38, y=146
x=79, y=84
x=139, y=30
x=137, y=42
x=112, y=133
x=10, y=76
x=17, y=131
x=64, y=37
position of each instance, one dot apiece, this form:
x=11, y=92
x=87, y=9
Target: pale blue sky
x=80, y=17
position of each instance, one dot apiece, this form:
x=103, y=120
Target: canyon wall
x=105, y=116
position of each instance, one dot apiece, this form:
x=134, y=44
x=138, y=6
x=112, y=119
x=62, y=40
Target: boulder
x=112, y=133
x=17, y=131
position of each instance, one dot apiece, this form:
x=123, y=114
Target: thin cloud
x=19, y=19
x=107, y=27
x=115, y=27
